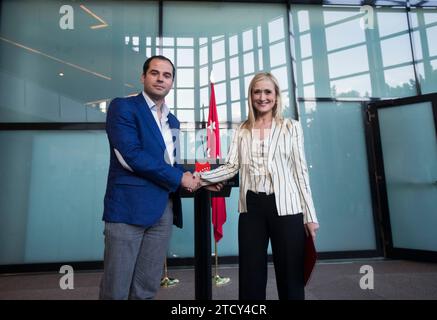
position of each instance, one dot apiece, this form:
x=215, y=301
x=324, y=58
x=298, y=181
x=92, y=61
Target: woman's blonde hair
x=277, y=109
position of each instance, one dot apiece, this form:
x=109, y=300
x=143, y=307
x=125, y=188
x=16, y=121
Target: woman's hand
x=311, y=229
x=214, y=187
x=211, y=187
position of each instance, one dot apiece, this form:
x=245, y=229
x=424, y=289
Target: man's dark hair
x=159, y=57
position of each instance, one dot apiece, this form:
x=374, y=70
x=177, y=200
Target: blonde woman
x=275, y=200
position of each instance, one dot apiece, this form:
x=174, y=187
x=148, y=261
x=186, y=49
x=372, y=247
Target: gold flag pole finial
x=219, y=281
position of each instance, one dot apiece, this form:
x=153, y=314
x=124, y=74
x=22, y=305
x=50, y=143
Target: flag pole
x=166, y=281
x=218, y=280
x=216, y=259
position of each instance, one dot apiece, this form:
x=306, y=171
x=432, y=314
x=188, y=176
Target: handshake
x=193, y=182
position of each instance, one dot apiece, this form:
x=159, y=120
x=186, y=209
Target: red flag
x=218, y=205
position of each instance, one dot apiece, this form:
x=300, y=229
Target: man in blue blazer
x=142, y=200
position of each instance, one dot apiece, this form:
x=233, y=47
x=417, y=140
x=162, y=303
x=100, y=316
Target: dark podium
x=202, y=232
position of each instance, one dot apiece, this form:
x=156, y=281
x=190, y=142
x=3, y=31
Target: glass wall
x=352, y=52
x=232, y=41
x=51, y=205
x=63, y=61
x=252, y=39
x=424, y=29
x=336, y=154
x=410, y=166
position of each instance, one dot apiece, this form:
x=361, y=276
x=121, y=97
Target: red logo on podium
x=202, y=166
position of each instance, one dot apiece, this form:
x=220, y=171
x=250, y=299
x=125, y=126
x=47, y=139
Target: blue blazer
x=139, y=197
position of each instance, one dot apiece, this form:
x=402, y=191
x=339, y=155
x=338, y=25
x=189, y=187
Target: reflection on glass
x=276, y=30
x=426, y=48
x=236, y=112
x=260, y=59
x=282, y=75
x=307, y=71
x=204, y=98
x=309, y=91
x=220, y=92
x=335, y=150
x=260, y=37
x=234, y=67
x=169, y=99
x=185, y=115
x=354, y=60
x=221, y=31
x=418, y=51
x=303, y=20
x=218, y=50
x=277, y=54
x=348, y=62
x=351, y=87
x=167, y=41
x=430, y=15
x=409, y=147
x=414, y=20
x=233, y=45
x=203, y=41
x=181, y=42
x=185, y=57
x=169, y=53
x=430, y=34
x=203, y=55
x=249, y=66
x=292, y=44
x=83, y=67
x=354, y=34
x=204, y=76
x=391, y=22
x=225, y=37
x=248, y=40
x=305, y=46
x=185, y=98
x=189, y=138
x=185, y=78
x=396, y=50
x=219, y=70
x=246, y=84
x=235, y=90
x=221, y=113
x=400, y=81
x=336, y=16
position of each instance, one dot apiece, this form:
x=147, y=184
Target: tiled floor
x=334, y=280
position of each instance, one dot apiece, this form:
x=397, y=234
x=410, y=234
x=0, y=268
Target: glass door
x=405, y=151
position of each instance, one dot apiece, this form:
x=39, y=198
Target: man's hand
x=190, y=182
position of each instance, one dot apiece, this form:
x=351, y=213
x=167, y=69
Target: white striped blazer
x=286, y=165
